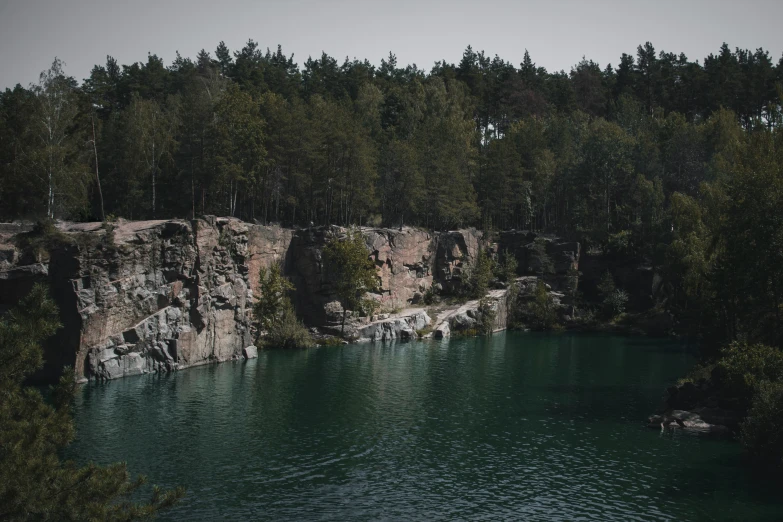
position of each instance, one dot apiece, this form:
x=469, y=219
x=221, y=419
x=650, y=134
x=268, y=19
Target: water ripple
x=521, y=426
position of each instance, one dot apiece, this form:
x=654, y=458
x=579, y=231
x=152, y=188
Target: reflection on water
x=518, y=426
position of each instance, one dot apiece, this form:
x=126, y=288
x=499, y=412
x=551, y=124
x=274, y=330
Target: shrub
x=478, y=276
x=615, y=302
x=273, y=299
x=542, y=310
x=506, y=270
x=354, y=273
x=614, y=299
x=41, y=240
x=275, y=314
x=620, y=243
x=742, y=368
x=762, y=431
x=539, y=249
x=430, y=296
x=606, y=286
x=288, y=332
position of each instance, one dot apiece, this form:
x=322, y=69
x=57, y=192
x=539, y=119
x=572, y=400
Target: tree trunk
x=97, y=176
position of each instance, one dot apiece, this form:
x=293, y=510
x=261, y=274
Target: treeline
x=660, y=158
x=251, y=134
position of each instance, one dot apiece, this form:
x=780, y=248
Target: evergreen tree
x=35, y=483
x=351, y=269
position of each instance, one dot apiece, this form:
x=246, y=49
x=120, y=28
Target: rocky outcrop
x=467, y=317
x=700, y=407
x=404, y=326
x=151, y=296
x=169, y=294
x=702, y=421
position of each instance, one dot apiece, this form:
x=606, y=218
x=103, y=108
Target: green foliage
x=272, y=301
x=615, y=302
x=572, y=281
x=274, y=312
x=45, y=237
x=35, y=484
x=668, y=160
x=614, y=299
x=762, y=431
x=542, y=310
x=430, y=296
x=606, y=286
x=287, y=331
x=506, y=270
x=743, y=367
x=544, y=266
x=353, y=271
x=477, y=277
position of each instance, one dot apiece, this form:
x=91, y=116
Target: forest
x=665, y=159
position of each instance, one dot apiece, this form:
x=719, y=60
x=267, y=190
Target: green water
x=518, y=426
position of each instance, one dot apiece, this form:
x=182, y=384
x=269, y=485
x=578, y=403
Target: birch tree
x=54, y=113
x=152, y=130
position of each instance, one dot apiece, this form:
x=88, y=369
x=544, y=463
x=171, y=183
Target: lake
x=520, y=426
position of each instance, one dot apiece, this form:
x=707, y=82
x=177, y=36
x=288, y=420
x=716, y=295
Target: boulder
x=250, y=352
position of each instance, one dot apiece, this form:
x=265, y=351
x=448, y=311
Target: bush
x=275, y=314
x=477, y=277
x=615, y=302
x=762, y=431
x=41, y=240
x=288, y=332
x=542, y=310
x=620, y=243
x=614, y=299
x=506, y=270
x=742, y=368
x=546, y=265
x=273, y=296
x=353, y=272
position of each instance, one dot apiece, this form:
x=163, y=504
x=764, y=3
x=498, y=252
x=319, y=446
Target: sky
x=557, y=33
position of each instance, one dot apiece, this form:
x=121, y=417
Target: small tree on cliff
x=275, y=314
x=35, y=484
x=273, y=298
x=354, y=272
x=479, y=275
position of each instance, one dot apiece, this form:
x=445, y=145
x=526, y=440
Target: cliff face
x=166, y=295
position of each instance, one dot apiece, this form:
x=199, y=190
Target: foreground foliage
x=35, y=484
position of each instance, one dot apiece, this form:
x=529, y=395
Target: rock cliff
x=139, y=297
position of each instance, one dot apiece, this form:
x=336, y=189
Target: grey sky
x=556, y=32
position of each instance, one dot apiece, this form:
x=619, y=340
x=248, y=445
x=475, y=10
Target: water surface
x=517, y=426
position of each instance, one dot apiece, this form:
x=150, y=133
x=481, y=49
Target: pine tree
x=35, y=484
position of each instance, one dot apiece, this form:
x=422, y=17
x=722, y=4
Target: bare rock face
x=158, y=296
x=404, y=327
x=150, y=296
x=455, y=251
x=409, y=261
x=170, y=295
